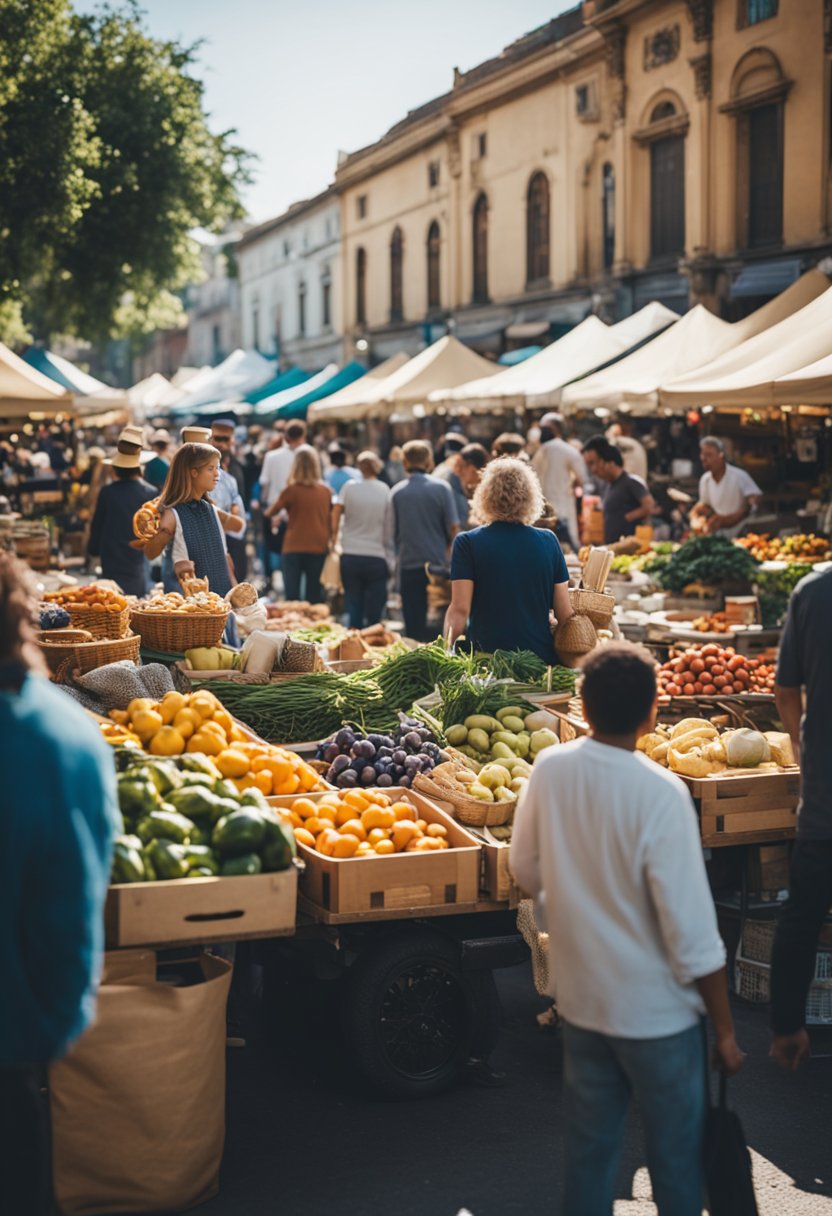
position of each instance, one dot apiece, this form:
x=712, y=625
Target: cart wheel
x=412, y=1018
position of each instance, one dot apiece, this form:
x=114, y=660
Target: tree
x=107, y=163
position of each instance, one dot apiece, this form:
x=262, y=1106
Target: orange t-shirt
x=309, y=508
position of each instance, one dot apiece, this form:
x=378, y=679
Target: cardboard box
x=201, y=910
x=371, y=888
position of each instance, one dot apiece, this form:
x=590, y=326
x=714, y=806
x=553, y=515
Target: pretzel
x=147, y=520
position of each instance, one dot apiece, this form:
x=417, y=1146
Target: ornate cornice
x=701, y=65
x=702, y=16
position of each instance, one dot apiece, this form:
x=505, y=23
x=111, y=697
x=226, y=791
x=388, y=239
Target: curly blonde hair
x=509, y=492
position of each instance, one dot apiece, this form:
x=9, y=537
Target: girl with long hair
x=191, y=525
x=307, y=501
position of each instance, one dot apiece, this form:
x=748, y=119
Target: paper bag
x=331, y=573
x=138, y=1105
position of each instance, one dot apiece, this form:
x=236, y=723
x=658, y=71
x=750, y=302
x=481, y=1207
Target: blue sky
x=301, y=81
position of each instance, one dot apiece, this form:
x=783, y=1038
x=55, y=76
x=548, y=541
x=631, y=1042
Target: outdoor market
x=415, y=599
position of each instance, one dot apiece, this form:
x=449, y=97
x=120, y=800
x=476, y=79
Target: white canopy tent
x=242, y=372
x=443, y=365
x=151, y=394
x=23, y=390
x=746, y=375
x=356, y=400
x=810, y=385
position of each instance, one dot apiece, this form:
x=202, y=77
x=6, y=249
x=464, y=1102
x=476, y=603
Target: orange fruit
x=303, y=836
x=383, y=847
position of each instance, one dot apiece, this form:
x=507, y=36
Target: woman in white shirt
x=365, y=542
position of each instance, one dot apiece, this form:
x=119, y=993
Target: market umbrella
x=297, y=407
x=355, y=400
x=92, y=396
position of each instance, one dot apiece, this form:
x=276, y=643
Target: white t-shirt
x=609, y=843
x=634, y=455
x=277, y=466
x=556, y=463
x=367, y=526
x=727, y=496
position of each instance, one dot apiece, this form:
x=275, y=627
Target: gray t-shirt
x=423, y=515
x=805, y=660
x=365, y=523
x=623, y=495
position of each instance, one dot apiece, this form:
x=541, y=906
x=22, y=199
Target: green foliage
x=107, y=162
x=707, y=559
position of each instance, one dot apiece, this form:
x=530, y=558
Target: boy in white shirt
x=608, y=844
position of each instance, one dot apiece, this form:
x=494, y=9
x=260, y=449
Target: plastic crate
x=752, y=982
x=757, y=940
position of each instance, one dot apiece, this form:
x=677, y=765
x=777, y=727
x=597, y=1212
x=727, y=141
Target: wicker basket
x=176, y=632
x=87, y=656
x=597, y=605
x=575, y=637
x=59, y=644
x=471, y=811
x=300, y=657
x=100, y=624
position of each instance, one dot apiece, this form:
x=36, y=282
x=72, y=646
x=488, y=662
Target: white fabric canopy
x=242, y=372
x=152, y=393
x=746, y=375
x=269, y=404
x=810, y=385
x=24, y=390
x=634, y=380
x=443, y=365
x=356, y=400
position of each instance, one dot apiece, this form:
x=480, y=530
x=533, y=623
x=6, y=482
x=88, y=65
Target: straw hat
x=132, y=435
x=195, y=434
x=130, y=460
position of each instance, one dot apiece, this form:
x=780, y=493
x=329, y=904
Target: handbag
x=729, y=1184
x=275, y=538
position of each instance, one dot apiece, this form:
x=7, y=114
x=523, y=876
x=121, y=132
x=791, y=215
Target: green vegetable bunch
x=707, y=559
x=774, y=589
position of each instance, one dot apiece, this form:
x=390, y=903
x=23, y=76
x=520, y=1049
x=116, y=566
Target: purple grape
x=397, y=772
x=346, y=780
x=384, y=780
x=399, y=756
x=384, y=753
x=358, y=764
x=368, y=775
x=404, y=782
x=345, y=738
x=412, y=740
x=330, y=752
x=366, y=749
x=339, y=764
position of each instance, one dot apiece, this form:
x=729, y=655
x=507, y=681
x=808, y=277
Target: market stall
x=355, y=401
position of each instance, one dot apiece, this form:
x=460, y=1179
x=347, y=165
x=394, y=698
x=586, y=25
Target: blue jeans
x=667, y=1077
x=305, y=568
x=365, y=588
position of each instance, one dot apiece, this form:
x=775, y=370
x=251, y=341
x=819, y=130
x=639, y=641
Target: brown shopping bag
x=331, y=572
x=138, y=1105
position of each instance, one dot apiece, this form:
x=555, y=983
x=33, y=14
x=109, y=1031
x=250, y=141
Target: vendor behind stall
x=627, y=499
x=507, y=575
x=727, y=494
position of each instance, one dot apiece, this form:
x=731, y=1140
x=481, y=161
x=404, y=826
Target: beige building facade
x=628, y=150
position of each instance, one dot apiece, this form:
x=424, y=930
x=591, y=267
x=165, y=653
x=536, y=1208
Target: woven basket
x=299, y=657
x=100, y=624
x=176, y=632
x=59, y=644
x=538, y=944
x=597, y=605
x=575, y=637
x=472, y=811
x=86, y=656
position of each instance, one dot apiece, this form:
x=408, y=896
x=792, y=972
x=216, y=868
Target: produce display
x=696, y=748
x=172, y=601
x=197, y=723
x=184, y=819
x=714, y=671
x=805, y=547
x=356, y=759
x=708, y=560
x=212, y=658
x=317, y=705
x=495, y=781
x=100, y=599
x=774, y=588
x=53, y=616
x=714, y=622
x=363, y=823
x=291, y=615
x=650, y=562
x=512, y=734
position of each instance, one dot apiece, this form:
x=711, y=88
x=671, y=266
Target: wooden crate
x=746, y=809
x=185, y=910
x=379, y=888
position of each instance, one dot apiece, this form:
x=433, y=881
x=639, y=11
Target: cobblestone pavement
x=303, y=1140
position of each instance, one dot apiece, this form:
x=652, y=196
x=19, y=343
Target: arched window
x=758, y=94
x=480, y=250
x=396, y=258
x=434, y=287
x=361, y=286
x=608, y=214
x=667, y=186
x=537, y=229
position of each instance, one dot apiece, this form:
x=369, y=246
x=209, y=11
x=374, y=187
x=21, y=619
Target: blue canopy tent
x=297, y=406
x=91, y=396
x=283, y=380
x=512, y=357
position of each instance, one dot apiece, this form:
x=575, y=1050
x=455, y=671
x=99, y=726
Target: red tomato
x=688, y=690
x=697, y=666
x=709, y=690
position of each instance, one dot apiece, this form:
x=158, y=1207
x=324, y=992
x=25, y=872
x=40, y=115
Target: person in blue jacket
x=58, y=818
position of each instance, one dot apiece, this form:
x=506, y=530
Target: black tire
x=411, y=1017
